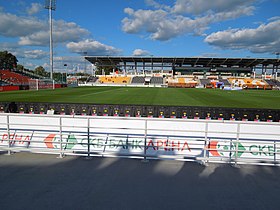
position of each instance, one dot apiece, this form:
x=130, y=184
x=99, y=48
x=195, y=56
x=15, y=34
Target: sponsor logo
x=52, y=142
x=228, y=149
x=16, y=139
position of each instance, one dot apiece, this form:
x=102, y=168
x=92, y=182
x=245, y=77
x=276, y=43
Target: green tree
x=20, y=67
x=7, y=60
x=41, y=71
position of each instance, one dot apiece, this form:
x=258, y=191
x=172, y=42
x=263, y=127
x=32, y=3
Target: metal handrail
x=87, y=132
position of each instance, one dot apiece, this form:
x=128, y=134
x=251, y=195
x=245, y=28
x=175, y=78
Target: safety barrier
x=205, y=141
x=155, y=111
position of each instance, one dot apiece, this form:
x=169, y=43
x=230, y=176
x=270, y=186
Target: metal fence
x=233, y=142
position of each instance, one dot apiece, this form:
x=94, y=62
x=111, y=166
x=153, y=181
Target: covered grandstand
x=189, y=72
x=186, y=65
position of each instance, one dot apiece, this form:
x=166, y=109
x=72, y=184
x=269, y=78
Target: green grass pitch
x=150, y=96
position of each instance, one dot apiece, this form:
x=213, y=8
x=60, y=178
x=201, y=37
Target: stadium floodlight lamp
x=50, y=5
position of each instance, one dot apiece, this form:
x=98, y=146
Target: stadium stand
x=273, y=83
x=249, y=83
x=29, y=74
x=114, y=79
x=182, y=82
x=225, y=81
x=3, y=83
x=205, y=82
x=138, y=80
x=156, y=81
x=13, y=78
x=92, y=79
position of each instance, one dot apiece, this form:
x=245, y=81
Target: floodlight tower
x=50, y=5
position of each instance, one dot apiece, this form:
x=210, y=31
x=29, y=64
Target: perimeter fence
x=204, y=141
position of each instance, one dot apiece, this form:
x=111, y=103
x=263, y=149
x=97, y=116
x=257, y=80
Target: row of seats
x=129, y=80
x=92, y=79
x=182, y=82
x=3, y=83
x=138, y=80
x=114, y=80
x=13, y=78
x=248, y=83
x=156, y=81
x=273, y=82
x=187, y=82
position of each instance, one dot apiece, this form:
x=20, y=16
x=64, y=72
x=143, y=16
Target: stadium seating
x=92, y=79
x=13, y=78
x=156, y=81
x=182, y=82
x=138, y=80
x=249, y=83
x=205, y=82
x=273, y=82
x=225, y=81
x=114, y=79
x=3, y=83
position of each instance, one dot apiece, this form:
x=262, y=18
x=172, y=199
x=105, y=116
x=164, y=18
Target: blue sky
x=177, y=28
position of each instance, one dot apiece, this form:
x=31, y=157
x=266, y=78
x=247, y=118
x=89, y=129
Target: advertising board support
x=8, y=132
x=60, y=138
x=88, y=140
x=205, y=161
x=275, y=146
x=236, y=145
x=145, y=160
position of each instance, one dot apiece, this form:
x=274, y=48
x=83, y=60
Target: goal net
x=37, y=84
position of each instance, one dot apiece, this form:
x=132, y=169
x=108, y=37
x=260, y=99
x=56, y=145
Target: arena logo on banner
x=15, y=139
x=99, y=142
x=244, y=149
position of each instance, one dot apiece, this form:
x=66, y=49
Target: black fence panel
x=3, y=107
x=188, y=112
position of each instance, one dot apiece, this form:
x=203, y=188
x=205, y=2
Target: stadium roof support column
x=152, y=64
x=125, y=68
x=254, y=72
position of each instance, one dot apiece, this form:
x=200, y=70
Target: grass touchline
x=150, y=96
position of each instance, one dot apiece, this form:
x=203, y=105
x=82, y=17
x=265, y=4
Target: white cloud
x=14, y=26
x=165, y=23
x=157, y=5
x=34, y=9
x=263, y=39
x=92, y=47
x=35, y=54
x=29, y=65
x=62, y=32
x=140, y=52
x=35, y=32
x=201, y=6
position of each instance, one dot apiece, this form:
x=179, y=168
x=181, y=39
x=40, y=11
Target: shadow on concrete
x=36, y=181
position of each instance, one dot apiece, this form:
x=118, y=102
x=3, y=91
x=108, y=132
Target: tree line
x=8, y=61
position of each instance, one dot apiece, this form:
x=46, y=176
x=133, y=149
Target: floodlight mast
x=50, y=5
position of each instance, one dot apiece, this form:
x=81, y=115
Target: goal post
x=38, y=84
